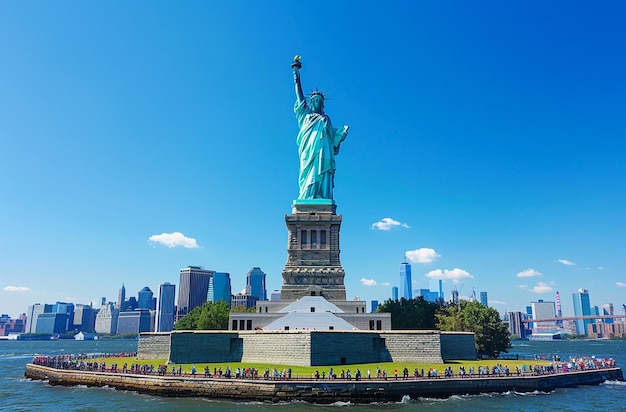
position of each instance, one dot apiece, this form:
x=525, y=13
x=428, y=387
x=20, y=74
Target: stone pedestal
x=313, y=267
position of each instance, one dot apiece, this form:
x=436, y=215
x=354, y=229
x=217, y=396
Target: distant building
x=192, y=289
x=582, y=307
x=441, y=297
x=52, y=323
x=483, y=299
x=255, y=284
x=165, y=307
x=428, y=295
x=240, y=299
x=67, y=309
x=85, y=336
x=275, y=296
x=607, y=310
x=219, y=287
x=606, y=330
x=131, y=304
x=529, y=312
x=543, y=310
x=84, y=318
x=559, y=312
x=12, y=326
x=455, y=297
x=120, y=305
x=136, y=321
x=31, y=317
x=406, y=284
x=145, y=299
x=374, y=307
x=394, y=293
x=106, y=320
x=516, y=326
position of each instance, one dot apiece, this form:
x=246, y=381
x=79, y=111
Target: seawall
x=319, y=391
x=307, y=347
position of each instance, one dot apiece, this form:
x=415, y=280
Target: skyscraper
x=607, y=310
x=394, y=292
x=31, y=317
x=106, y=319
x=255, y=284
x=543, y=310
x=145, y=299
x=192, y=289
x=441, y=297
x=483, y=299
x=406, y=284
x=516, y=326
x=219, y=287
x=559, y=312
x=582, y=307
x=120, y=305
x=84, y=318
x=165, y=307
x=455, y=297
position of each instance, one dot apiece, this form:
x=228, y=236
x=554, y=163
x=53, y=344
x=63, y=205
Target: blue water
x=20, y=394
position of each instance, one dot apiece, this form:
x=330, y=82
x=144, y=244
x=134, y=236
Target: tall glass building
x=192, y=289
x=219, y=287
x=406, y=285
x=255, y=284
x=394, y=293
x=582, y=307
x=145, y=300
x=165, y=307
x=483, y=299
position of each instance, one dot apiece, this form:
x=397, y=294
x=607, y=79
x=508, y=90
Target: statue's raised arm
x=296, y=66
x=318, y=142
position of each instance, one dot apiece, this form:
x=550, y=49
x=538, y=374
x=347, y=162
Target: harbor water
x=20, y=394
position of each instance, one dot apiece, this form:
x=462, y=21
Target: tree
x=492, y=336
x=209, y=316
x=406, y=314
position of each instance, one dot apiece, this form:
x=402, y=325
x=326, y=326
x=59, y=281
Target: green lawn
x=309, y=371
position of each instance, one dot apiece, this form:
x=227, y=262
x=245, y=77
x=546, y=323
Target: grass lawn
x=309, y=371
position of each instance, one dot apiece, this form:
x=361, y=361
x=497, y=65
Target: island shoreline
x=320, y=391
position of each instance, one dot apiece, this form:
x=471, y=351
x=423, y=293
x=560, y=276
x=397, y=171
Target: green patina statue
x=318, y=142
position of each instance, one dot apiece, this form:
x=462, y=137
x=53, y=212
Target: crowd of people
x=92, y=363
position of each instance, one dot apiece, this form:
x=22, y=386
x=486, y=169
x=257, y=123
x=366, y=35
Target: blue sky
x=486, y=139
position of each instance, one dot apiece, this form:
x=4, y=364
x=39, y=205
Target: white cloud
x=387, y=224
x=528, y=273
x=454, y=275
x=385, y=284
x=496, y=302
x=174, y=239
x=16, y=289
x=423, y=255
x=566, y=262
x=620, y=284
x=368, y=282
x=540, y=287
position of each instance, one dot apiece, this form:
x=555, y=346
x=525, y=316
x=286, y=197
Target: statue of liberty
x=318, y=142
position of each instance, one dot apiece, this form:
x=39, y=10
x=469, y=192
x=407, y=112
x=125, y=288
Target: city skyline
x=484, y=144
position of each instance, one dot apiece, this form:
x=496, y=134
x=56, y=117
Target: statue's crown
x=317, y=93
